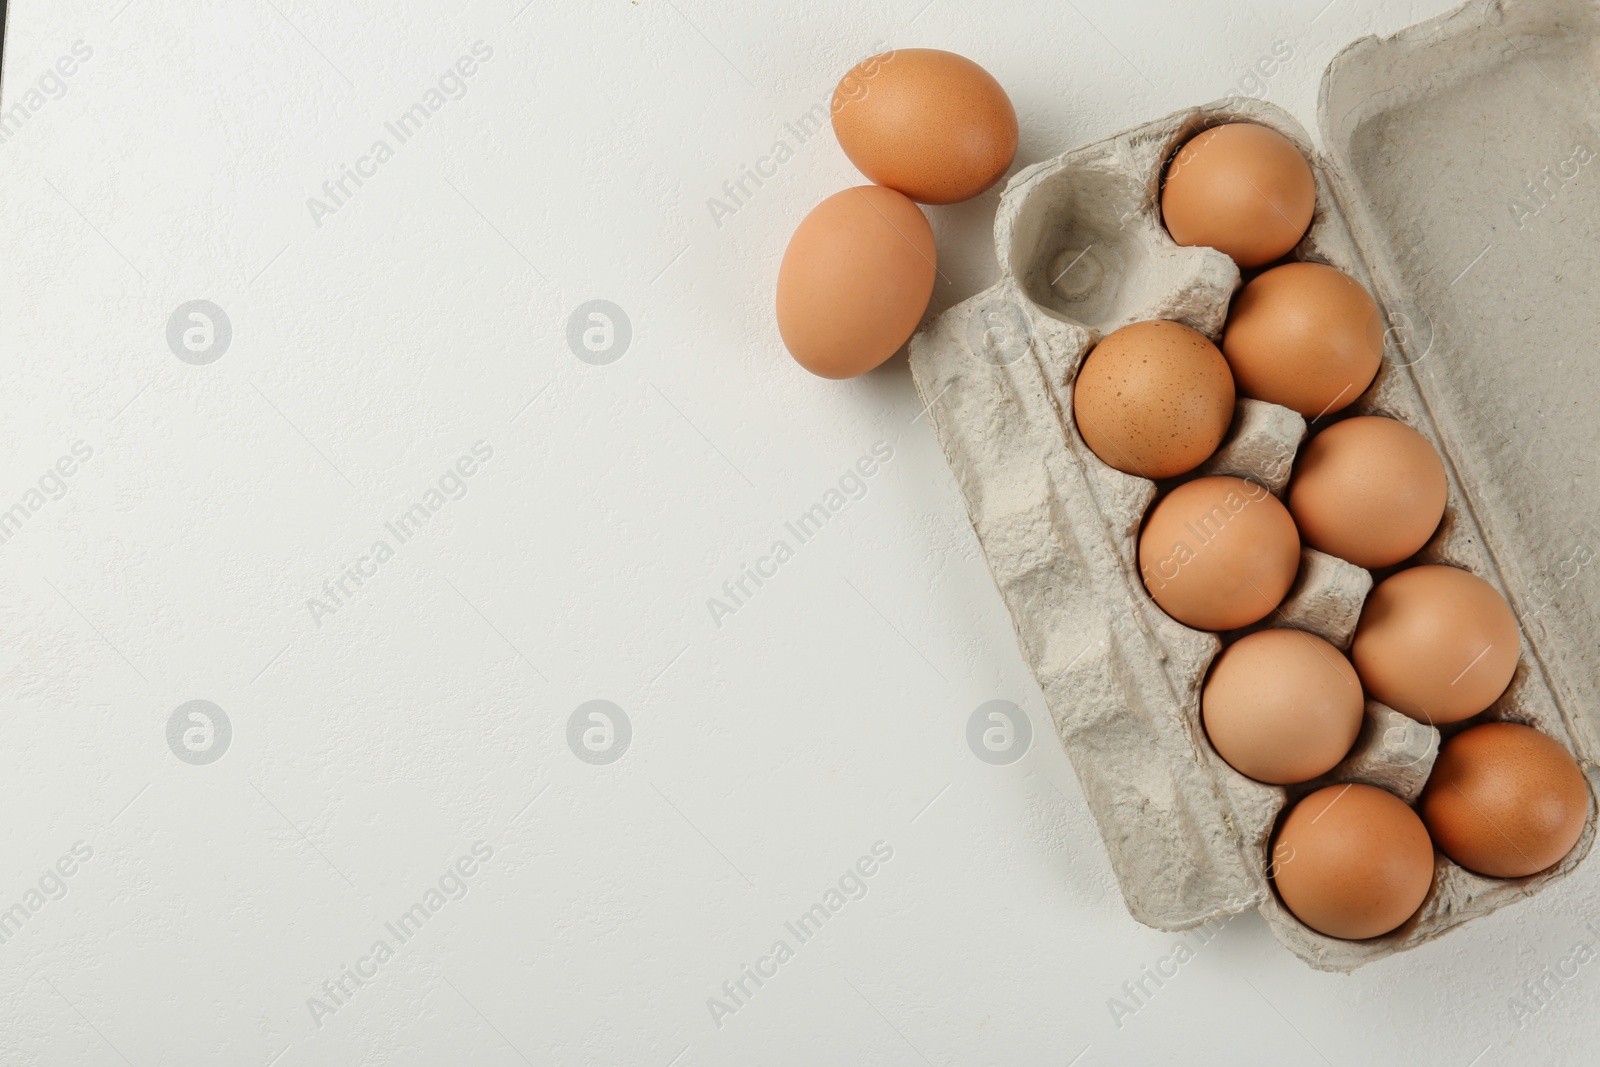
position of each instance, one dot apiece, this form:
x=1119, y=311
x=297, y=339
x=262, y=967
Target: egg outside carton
x=1188, y=836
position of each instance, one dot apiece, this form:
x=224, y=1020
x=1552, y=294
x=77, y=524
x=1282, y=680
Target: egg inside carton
x=1083, y=252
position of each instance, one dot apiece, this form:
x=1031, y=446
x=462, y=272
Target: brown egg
x=855, y=281
x=1282, y=706
x=1369, y=490
x=1505, y=800
x=1306, y=336
x=1242, y=189
x=1218, y=553
x=934, y=125
x=1436, y=643
x=1352, y=861
x=1153, y=399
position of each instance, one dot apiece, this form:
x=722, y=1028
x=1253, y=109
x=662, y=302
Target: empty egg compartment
x=1084, y=245
x=1083, y=252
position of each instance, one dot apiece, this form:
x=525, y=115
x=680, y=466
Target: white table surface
x=376, y=744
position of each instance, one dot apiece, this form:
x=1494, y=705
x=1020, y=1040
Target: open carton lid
x=1465, y=157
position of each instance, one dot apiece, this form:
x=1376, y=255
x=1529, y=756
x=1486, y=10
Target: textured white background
x=371, y=751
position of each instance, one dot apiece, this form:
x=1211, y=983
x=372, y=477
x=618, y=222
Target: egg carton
x=1083, y=251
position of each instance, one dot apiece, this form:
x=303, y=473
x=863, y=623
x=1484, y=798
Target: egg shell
x=855, y=280
x=1352, y=861
x=1153, y=399
x=1282, y=706
x=1436, y=643
x=932, y=124
x=1242, y=189
x=1304, y=335
x=1369, y=490
x=1218, y=553
x=1505, y=800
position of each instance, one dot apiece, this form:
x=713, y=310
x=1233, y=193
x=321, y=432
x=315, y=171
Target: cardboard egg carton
x=1082, y=252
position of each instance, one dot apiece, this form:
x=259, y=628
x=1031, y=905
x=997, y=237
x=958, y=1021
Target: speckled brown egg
x=1370, y=490
x=1218, y=553
x=1505, y=800
x=1282, y=706
x=1306, y=336
x=1352, y=861
x=1153, y=399
x=932, y=124
x=1242, y=189
x=855, y=281
x=1436, y=643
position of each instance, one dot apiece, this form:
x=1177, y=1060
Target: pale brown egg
x=1505, y=800
x=855, y=281
x=1352, y=861
x=1306, y=336
x=1282, y=706
x=1370, y=490
x=1153, y=399
x=1242, y=189
x=1218, y=553
x=932, y=124
x=1436, y=643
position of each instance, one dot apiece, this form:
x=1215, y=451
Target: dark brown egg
x=1505, y=800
